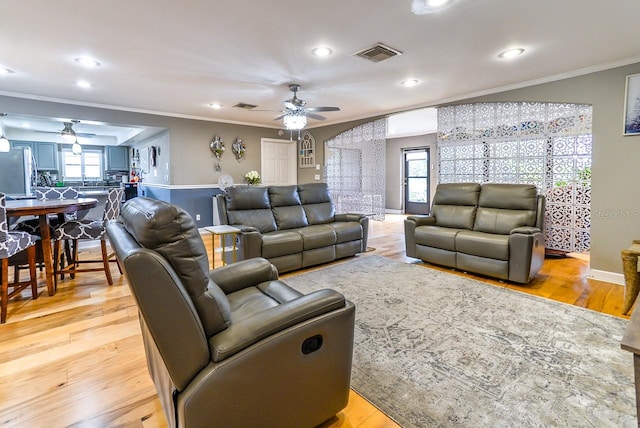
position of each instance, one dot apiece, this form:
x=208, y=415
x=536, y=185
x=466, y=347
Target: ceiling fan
x=295, y=112
x=68, y=134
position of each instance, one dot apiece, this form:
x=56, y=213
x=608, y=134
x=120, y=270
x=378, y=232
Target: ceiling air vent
x=378, y=52
x=245, y=106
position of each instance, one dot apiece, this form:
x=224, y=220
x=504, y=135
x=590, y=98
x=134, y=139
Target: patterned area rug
x=434, y=349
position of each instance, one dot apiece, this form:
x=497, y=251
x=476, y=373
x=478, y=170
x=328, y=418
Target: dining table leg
x=47, y=255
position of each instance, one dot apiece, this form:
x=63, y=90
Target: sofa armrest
x=349, y=217
x=243, y=274
x=526, y=230
x=410, y=224
x=249, y=243
x=246, y=332
x=364, y=222
x=422, y=220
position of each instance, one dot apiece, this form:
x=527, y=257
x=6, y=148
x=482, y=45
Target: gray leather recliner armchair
x=231, y=347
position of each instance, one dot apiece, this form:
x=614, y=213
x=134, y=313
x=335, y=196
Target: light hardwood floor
x=77, y=359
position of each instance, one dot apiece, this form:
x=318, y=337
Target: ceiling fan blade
x=85, y=134
x=280, y=117
x=315, y=116
x=323, y=109
x=290, y=105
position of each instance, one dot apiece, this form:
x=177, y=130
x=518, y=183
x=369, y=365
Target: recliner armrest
x=246, y=332
x=243, y=274
x=422, y=220
x=246, y=229
x=526, y=230
x=349, y=217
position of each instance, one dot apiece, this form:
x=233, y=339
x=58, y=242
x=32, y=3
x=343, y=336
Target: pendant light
x=5, y=145
x=76, y=149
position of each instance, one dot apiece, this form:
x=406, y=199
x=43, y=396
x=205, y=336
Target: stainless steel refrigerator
x=16, y=172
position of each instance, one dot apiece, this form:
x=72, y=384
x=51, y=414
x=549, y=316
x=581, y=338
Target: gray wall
x=615, y=204
x=189, y=157
x=395, y=167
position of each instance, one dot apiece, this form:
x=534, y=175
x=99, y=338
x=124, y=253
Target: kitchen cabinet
x=117, y=158
x=46, y=155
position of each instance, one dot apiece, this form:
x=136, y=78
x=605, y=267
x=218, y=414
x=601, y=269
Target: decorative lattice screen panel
x=546, y=144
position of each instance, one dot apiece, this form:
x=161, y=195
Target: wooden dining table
x=42, y=208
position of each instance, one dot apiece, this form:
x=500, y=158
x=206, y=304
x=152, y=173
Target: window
x=87, y=165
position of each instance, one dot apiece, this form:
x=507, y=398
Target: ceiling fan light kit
x=68, y=135
x=295, y=112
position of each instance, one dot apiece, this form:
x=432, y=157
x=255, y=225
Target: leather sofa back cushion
x=503, y=207
x=260, y=219
x=290, y=217
x=502, y=221
x=457, y=194
x=509, y=196
x=280, y=196
x=247, y=198
x=171, y=232
x=456, y=216
x=317, y=204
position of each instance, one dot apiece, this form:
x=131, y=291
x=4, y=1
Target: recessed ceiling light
x=215, y=106
x=422, y=7
x=87, y=62
x=410, y=82
x=322, y=51
x=83, y=84
x=5, y=71
x=511, y=53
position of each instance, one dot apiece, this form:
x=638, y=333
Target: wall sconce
x=217, y=147
x=239, y=149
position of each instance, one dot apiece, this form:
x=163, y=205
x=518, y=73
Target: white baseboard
x=603, y=275
x=388, y=211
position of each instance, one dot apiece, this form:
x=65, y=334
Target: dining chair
x=12, y=245
x=32, y=225
x=87, y=229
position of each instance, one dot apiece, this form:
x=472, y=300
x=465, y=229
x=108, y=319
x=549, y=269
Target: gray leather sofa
x=491, y=229
x=291, y=226
x=231, y=347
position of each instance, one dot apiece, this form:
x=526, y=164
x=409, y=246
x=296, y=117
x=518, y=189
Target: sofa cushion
x=457, y=194
x=316, y=200
x=500, y=221
x=437, y=237
x=170, y=231
x=317, y=236
x=289, y=217
x=249, y=205
x=454, y=204
x=503, y=207
x=281, y=243
x=282, y=196
x=262, y=220
x=247, y=198
x=347, y=231
x=457, y=217
x=483, y=244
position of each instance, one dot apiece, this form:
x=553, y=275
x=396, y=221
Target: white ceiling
x=175, y=58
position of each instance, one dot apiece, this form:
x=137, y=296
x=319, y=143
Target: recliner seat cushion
x=317, y=236
x=170, y=231
x=437, y=237
x=346, y=231
x=482, y=244
x=281, y=243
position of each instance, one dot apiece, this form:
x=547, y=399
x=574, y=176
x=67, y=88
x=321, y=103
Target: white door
x=279, y=162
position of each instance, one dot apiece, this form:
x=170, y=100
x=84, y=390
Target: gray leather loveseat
x=235, y=346
x=291, y=226
x=490, y=229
